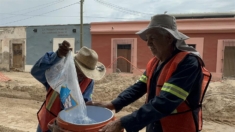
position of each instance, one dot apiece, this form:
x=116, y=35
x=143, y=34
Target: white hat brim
x=176, y=34
x=92, y=74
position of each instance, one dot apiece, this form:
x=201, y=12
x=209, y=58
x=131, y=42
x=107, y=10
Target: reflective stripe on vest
x=183, y=111
x=45, y=115
x=175, y=90
x=52, y=100
x=143, y=79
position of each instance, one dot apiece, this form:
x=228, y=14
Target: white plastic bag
x=62, y=77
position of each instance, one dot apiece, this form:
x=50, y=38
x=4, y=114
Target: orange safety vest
x=182, y=120
x=52, y=105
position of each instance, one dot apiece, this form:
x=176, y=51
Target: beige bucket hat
x=87, y=61
x=168, y=23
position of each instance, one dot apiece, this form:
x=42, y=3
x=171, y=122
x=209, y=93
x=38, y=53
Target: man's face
x=158, y=43
x=80, y=75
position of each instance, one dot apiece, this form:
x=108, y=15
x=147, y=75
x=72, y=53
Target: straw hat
x=87, y=61
x=167, y=23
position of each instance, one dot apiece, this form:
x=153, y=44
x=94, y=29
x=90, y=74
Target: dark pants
x=40, y=130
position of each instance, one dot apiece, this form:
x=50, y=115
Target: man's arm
x=163, y=105
x=44, y=63
x=131, y=94
x=87, y=95
x=48, y=60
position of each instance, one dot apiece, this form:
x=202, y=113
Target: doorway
x=124, y=51
x=17, y=56
x=229, y=61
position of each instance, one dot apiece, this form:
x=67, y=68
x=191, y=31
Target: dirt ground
x=21, y=98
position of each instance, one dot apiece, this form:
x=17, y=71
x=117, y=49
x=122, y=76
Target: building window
x=124, y=46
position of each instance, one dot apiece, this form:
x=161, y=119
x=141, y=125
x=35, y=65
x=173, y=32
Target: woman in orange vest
x=87, y=71
x=175, y=81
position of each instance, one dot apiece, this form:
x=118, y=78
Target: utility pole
x=81, y=23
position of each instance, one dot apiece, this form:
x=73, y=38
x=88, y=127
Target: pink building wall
x=207, y=34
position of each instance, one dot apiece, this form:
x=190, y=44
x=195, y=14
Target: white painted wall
x=56, y=42
x=7, y=34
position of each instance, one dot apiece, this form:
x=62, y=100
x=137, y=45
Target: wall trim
x=115, y=42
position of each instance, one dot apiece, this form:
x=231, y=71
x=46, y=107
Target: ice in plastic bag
x=62, y=77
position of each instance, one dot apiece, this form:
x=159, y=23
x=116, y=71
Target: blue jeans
x=40, y=130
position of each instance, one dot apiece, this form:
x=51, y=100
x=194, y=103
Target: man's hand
x=63, y=49
x=101, y=104
x=114, y=126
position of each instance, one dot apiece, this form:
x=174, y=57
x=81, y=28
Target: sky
x=52, y=12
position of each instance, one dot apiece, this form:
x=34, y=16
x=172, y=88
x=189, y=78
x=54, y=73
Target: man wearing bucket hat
x=175, y=81
x=88, y=69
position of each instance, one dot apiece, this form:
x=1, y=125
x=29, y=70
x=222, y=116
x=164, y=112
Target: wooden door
x=124, y=50
x=229, y=61
x=17, y=56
